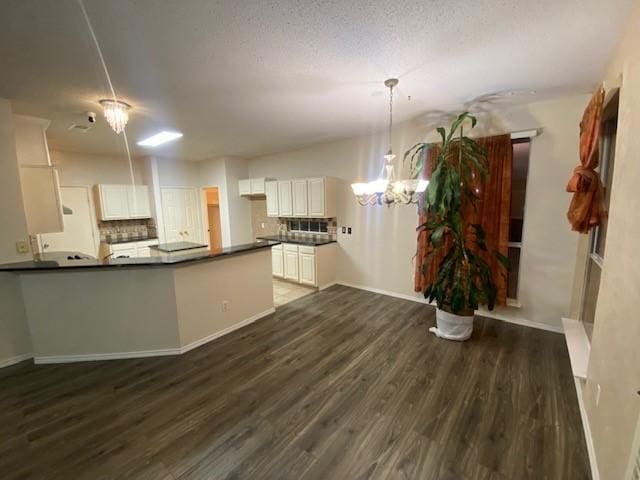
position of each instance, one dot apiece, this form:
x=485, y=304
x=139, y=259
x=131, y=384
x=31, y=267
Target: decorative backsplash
x=122, y=230
x=263, y=225
x=308, y=227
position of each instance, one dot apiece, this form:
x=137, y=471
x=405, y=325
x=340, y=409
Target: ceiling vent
x=79, y=128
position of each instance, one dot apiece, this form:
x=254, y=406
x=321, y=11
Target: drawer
x=290, y=247
x=306, y=249
x=277, y=248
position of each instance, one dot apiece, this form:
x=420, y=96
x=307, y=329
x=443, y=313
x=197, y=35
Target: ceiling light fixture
x=386, y=189
x=116, y=113
x=159, y=139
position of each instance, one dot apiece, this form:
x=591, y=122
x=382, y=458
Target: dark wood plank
x=338, y=384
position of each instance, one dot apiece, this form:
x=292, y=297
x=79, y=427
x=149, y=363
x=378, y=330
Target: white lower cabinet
x=291, y=264
x=308, y=267
x=277, y=261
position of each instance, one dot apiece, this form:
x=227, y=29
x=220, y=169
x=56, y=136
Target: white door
x=139, y=201
x=285, y=205
x=316, y=197
x=277, y=262
x=271, y=190
x=79, y=233
x=299, y=190
x=180, y=215
x=114, y=202
x=308, y=269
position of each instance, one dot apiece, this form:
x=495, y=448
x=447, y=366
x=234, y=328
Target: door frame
x=95, y=232
x=204, y=214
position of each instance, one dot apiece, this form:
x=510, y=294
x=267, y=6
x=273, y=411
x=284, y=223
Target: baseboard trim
x=227, y=330
x=591, y=451
x=484, y=313
x=7, y=362
x=324, y=287
x=92, y=357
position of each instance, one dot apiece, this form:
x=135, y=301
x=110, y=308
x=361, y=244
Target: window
x=598, y=235
x=519, y=176
x=307, y=226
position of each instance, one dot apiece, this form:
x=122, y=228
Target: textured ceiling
x=251, y=77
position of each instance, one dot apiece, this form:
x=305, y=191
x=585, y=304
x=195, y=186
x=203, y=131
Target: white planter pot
x=452, y=327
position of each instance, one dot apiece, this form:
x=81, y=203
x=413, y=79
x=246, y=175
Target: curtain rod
x=525, y=134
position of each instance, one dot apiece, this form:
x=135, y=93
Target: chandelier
x=116, y=114
x=387, y=189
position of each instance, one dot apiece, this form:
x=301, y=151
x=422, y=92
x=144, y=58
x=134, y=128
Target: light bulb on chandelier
x=116, y=113
x=386, y=189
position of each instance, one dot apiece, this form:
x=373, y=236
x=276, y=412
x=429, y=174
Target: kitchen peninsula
x=88, y=309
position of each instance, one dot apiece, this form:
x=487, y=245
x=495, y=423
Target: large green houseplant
x=464, y=279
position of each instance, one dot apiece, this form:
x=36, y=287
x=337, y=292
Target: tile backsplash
x=122, y=230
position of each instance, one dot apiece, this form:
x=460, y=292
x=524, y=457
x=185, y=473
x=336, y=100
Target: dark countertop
x=177, y=246
x=308, y=241
x=160, y=260
x=114, y=241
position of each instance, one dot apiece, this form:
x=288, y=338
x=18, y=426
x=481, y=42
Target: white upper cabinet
x=252, y=186
x=121, y=202
x=317, y=198
x=138, y=198
x=257, y=186
x=244, y=186
x=41, y=198
x=113, y=202
x=302, y=197
x=285, y=198
x=299, y=190
x=271, y=191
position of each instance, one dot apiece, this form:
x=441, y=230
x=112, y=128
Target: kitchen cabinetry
x=38, y=178
x=122, y=202
x=308, y=265
x=307, y=259
x=277, y=261
x=271, y=191
x=252, y=186
x=128, y=249
x=302, y=197
x=285, y=200
x=291, y=264
x=244, y=186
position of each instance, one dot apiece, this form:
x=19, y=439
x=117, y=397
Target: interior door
x=180, y=215
x=79, y=234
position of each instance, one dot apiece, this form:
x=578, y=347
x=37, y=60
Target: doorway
x=213, y=213
x=80, y=232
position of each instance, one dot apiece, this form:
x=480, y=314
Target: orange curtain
x=493, y=212
x=586, y=209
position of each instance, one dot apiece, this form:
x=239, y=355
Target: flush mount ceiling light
x=159, y=139
x=386, y=189
x=116, y=113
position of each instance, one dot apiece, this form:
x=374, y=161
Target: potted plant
x=464, y=279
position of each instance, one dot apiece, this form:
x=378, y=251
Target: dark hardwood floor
x=343, y=384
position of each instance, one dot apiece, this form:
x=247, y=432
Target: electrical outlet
x=225, y=305
x=597, y=394
x=262, y=225
x=22, y=247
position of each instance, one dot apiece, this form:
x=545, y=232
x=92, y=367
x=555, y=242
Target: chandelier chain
x=390, y=114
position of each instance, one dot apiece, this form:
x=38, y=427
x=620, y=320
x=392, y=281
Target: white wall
x=82, y=169
x=614, y=361
x=379, y=253
x=14, y=333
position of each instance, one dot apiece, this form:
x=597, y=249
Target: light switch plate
x=22, y=247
